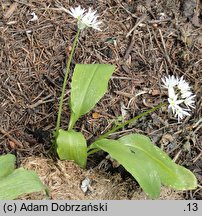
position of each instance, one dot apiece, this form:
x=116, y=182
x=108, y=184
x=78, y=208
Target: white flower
x=182, y=85
x=76, y=12
x=189, y=102
x=186, y=94
x=180, y=113
x=90, y=20
x=179, y=96
x=85, y=19
x=170, y=81
x=174, y=103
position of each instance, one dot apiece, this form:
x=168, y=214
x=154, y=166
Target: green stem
x=124, y=124
x=65, y=82
x=92, y=151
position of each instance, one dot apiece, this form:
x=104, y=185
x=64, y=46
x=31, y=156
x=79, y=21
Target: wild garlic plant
x=149, y=165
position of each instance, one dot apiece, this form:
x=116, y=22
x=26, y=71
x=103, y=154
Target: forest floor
x=146, y=40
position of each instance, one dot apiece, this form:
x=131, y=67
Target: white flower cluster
x=85, y=19
x=180, y=97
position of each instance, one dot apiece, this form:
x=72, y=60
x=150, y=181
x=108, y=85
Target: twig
x=133, y=15
x=60, y=7
x=165, y=50
x=10, y=137
x=125, y=94
x=130, y=47
x=197, y=157
x=177, y=155
x=24, y=3
x=158, y=21
x=142, y=18
x=197, y=123
x=39, y=102
x=122, y=78
x=43, y=101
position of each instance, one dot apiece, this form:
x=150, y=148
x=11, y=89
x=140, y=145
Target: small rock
x=85, y=184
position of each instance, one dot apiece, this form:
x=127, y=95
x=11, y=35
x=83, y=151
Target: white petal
x=170, y=81
x=189, y=102
x=180, y=113
x=89, y=20
x=76, y=12
x=186, y=94
x=171, y=92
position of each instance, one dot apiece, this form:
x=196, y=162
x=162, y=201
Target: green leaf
x=14, y=183
x=72, y=145
x=7, y=165
x=89, y=84
x=170, y=173
x=142, y=170
x=19, y=182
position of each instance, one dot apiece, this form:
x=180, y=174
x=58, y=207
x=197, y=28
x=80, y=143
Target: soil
x=146, y=40
x=64, y=180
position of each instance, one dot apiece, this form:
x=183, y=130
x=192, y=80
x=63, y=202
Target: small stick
x=40, y=102
x=165, y=50
x=43, y=101
x=133, y=15
x=197, y=157
x=130, y=47
x=21, y=2
x=158, y=21
x=142, y=18
x=177, y=155
x=125, y=94
x=10, y=137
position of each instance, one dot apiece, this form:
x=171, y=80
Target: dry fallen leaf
x=12, y=144
x=155, y=92
x=166, y=138
x=96, y=115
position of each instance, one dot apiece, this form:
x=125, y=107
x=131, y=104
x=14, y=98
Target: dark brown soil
x=146, y=40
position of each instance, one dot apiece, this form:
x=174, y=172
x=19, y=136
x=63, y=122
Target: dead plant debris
x=64, y=180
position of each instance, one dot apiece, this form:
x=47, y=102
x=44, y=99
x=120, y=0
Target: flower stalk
x=65, y=82
x=84, y=20
x=114, y=129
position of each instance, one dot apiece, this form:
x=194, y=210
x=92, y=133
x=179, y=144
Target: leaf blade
x=133, y=164
x=7, y=165
x=171, y=174
x=72, y=145
x=89, y=84
x=19, y=182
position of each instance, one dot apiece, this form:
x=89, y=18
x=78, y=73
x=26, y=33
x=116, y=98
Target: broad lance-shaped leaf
x=170, y=173
x=7, y=164
x=14, y=183
x=142, y=170
x=89, y=84
x=72, y=145
x=19, y=182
